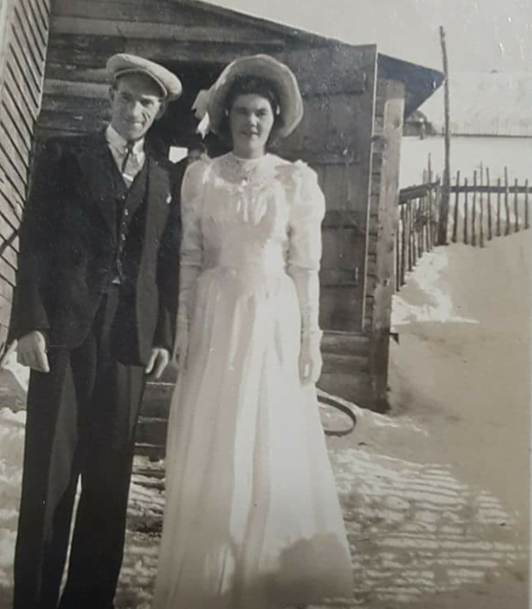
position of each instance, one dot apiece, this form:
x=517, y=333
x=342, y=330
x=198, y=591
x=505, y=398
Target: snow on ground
x=435, y=496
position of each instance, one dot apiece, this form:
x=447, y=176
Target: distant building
x=483, y=104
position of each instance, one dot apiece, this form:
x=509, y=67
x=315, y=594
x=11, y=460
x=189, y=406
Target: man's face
x=136, y=101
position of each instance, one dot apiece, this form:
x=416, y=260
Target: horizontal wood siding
x=23, y=41
x=179, y=35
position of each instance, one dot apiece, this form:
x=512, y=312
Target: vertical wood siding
x=23, y=41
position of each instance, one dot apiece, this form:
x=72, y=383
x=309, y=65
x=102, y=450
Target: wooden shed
x=355, y=103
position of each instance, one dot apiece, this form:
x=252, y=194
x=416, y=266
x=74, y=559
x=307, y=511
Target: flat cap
x=123, y=63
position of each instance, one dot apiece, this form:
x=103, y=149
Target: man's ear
x=111, y=94
x=162, y=110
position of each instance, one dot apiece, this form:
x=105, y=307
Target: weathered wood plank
x=73, y=72
x=466, y=213
x=519, y=189
x=7, y=272
x=11, y=204
x=93, y=52
x=345, y=342
x=456, y=203
x=213, y=15
x=76, y=105
x=34, y=52
x=162, y=12
x=13, y=167
x=507, y=200
x=474, y=211
x=8, y=235
x=9, y=255
x=9, y=108
x=44, y=9
x=44, y=133
x=6, y=290
x=42, y=17
x=5, y=311
x=21, y=89
x=20, y=148
x=498, y=207
x=27, y=112
x=24, y=67
x=516, y=207
x=527, y=211
x=490, y=220
x=337, y=304
x=36, y=26
x=159, y=31
x=147, y=12
x=215, y=53
x=76, y=89
x=67, y=122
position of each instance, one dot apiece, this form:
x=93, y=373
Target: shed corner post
x=387, y=145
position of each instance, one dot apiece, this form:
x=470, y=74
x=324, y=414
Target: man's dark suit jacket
x=68, y=248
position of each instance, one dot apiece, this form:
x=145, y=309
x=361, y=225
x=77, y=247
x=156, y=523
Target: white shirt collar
x=115, y=140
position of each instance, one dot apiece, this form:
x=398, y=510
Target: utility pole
x=446, y=184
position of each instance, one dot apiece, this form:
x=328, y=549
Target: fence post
x=403, y=244
x=527, y=223
x=498, y=207
x=474, y=211
x=506, y=200
x=456, y=200
x=516, y=206
x=481, y=202
x=466, y=239
x=490, y=233
x=443, y=218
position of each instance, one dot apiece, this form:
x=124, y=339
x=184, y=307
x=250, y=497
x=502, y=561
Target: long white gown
x=252, y=518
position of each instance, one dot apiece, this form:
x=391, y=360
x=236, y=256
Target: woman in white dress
x=252, y=518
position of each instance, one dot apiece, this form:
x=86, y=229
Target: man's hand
x=158, y=361
x=31, y=351
x=310, y=362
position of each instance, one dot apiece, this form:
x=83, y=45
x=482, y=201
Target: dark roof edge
x=420, y=82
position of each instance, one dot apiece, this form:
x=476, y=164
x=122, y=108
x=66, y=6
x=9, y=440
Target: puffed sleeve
x=304, y=251
x=191, y=247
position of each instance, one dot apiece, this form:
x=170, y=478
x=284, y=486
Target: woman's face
x=250, y=121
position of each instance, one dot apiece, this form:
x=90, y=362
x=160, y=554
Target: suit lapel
x=158, y=193
x=98, y=166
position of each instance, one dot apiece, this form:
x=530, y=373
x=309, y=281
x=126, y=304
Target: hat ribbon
x=200, y=105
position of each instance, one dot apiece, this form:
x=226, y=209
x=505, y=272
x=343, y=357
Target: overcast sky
x=484, y=35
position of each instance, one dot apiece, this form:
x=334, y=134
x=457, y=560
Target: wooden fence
x=417, y=226
x=480, y=209
x=483, y=208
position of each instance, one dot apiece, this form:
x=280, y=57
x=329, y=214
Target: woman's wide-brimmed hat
x=260, y=66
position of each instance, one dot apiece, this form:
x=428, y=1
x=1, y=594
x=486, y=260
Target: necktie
x=127, y=156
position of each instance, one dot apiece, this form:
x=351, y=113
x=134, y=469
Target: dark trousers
x=81, y=420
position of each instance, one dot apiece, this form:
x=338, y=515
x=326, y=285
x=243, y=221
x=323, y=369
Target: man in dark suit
x=94, y=315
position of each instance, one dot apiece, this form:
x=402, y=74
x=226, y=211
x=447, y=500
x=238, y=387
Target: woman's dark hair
x=251, y=85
